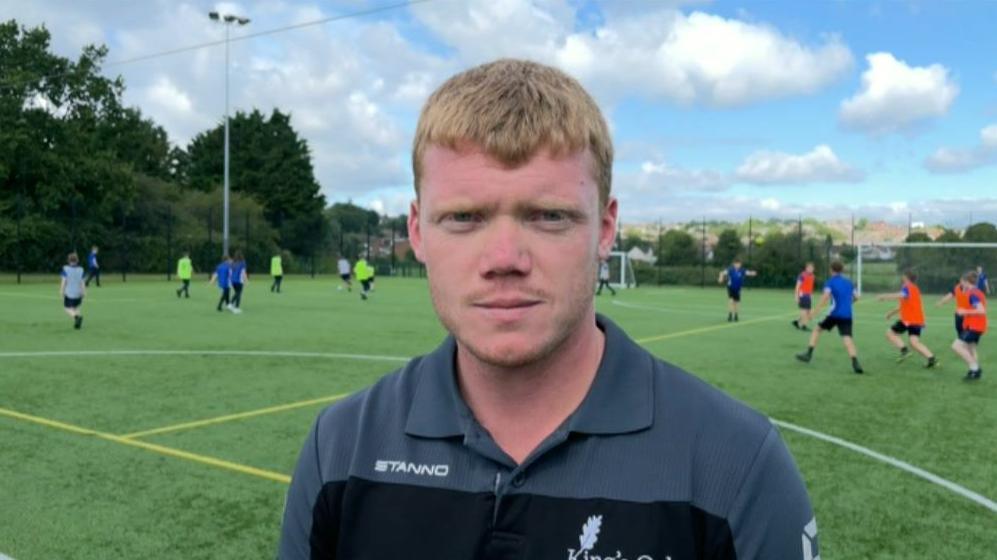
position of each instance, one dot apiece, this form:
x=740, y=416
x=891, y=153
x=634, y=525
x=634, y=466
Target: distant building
x=639, y=255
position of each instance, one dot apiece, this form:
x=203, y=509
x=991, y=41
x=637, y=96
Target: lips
x=507, y=309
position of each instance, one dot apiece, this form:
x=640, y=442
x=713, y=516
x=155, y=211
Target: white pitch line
x=893, y=461
x=88, y=299
x=5, y=557
x=257, y=353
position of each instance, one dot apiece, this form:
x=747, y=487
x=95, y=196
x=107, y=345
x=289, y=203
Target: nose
x=505, y=250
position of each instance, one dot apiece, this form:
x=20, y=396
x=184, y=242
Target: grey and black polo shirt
x=653, y=465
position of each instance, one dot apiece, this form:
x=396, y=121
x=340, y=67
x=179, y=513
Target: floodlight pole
x=225, y=196
x=226, y=20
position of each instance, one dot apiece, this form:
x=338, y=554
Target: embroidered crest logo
x=588, y=539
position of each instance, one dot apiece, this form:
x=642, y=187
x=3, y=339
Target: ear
x=607, y=228
x=415, y=231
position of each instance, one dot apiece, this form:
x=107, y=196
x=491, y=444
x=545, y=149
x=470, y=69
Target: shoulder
x=689, y=402
x=721, y=438
x=362, y=419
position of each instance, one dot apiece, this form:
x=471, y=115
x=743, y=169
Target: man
x=72, y=289
x=604, y=278
x=223, y=275
x=363, y=273
x=911, y=320
x=974, y=323
x=239, y=279
x=535, y=420
x=804, y=296
x=185, y=271
x=734, y=277
x=277, y=272
x=841, y=294
x=982, y=282
x=93, y=267
x=344, y=273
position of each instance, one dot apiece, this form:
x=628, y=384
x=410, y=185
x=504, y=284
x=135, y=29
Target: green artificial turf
x=70, y=495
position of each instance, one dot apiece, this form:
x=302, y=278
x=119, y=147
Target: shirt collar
x=619, y=401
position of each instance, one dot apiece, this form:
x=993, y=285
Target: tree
x=60, y=168
x=678, y=248
x=982, y=232
x=918, y=237
x=631, y=240
x=949, y=236
x=729, y=246
x=270, y=162
x=781, y=257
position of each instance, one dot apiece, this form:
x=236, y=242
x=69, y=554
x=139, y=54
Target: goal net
x=621, y=270
x=939, y=266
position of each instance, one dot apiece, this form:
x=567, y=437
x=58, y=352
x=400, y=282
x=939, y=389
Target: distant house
x=874, y=253
x=639, y=255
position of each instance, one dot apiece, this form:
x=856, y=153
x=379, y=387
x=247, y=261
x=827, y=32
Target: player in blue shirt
x=841, y=293
x=93, y=267
x=982, y=283
x=239, y=277
x=734, y=276
x=223, y=275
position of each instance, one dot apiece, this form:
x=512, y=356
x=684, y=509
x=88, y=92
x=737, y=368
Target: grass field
x=168, y=430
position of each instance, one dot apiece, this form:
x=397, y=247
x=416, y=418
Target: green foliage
x=63, y=138
x=982, y=232
x=270, y=162
x=782, y=256
x=631, y=240
x=729, y=247
x=676, y=247
x=948, y=236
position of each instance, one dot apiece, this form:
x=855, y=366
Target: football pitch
x=165, y=429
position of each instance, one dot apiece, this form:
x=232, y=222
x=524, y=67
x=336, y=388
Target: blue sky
x=723, y=109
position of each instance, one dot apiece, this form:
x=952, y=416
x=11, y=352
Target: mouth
x=507, y=309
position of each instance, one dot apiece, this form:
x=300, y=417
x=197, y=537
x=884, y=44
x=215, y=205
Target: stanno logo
x=588, y=539
x=411, y=468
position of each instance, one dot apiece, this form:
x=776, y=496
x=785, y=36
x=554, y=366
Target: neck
x=520, y=407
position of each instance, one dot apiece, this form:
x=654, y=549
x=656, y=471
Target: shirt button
x=519, y=480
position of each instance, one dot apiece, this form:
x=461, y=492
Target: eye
x=552, y=219
x=462, y=221
x=552, y=216
x=462, y=217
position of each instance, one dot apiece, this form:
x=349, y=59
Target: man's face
x=810, y=268
x=511, y=254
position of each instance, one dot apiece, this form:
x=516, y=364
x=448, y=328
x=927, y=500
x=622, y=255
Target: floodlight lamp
x=213, y=15
x=243, y=20
x=229, y=18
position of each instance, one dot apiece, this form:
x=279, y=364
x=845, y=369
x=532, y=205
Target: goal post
x=621, y=270
x=880, y=266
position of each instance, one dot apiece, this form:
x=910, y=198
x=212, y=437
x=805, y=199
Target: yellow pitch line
x=161, y=449
x=711, y=328
x=230, y=417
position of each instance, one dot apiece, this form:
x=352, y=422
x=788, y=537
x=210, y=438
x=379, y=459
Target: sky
x=718, y=109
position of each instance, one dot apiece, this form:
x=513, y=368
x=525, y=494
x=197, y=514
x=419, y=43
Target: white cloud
x=167, y=95
x=960, y=160
x=659, y=175
x=819, y=165
x=896, y=97
x=694, y=58
x=770, y=204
